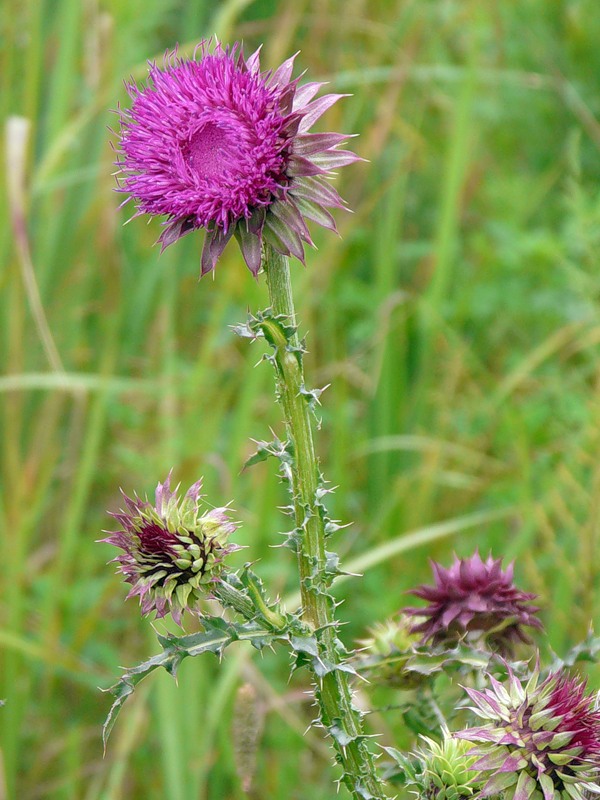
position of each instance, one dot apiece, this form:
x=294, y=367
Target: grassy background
x=456, y=319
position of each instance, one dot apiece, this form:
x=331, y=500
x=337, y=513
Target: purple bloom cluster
x=215, y=143
x=172, y=551
x=476, y=599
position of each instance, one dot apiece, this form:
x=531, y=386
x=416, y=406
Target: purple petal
x=305, y=93
x=451, y=612
x=214, y=244
x=318, y=191
x=315, y=212
x=303, y=167
x=288, y=213
x=283, y=73
x=194, y=491
x=511, y=764
x=284, y=239
x=253, y=61
x=256, y=222
x=286, y=97
x=309, y=143
x=291, y=125
x=333, y=159
x=479, y=734
x=487, y=704
x=163, y=492
x=316, y=109
x=526, y=786
x=497, y=783
x=250, y=245
x=175, y=230
x=547, y=785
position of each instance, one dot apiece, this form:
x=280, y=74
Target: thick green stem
x=333, y=692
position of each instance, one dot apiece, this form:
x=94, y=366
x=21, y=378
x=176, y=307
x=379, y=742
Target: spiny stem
x=333, y=692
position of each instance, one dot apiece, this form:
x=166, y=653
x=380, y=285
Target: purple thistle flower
x=172, y=552
x=475, y=599
x=539, y=741
x=215, y=143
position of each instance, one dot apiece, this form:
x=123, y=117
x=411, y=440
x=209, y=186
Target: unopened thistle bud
x=385, y=652
x=173, y=550
x=475, y=600
x=442, y=771
x=540, y=741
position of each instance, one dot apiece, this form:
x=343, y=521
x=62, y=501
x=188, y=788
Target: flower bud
x=173, y=550
x=442, y=771
x=474, y=600
x=385, y=652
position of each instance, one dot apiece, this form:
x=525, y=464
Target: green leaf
x=587, y=650
x=216, y=636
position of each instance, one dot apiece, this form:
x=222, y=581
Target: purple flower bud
x=172, y=551
x=477, y=600
x=215, y=143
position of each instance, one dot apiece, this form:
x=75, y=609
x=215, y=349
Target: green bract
x=441, y=771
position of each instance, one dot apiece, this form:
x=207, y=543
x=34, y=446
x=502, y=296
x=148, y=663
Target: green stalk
x=333, y=692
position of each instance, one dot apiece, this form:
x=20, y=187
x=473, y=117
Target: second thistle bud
x=386, y=651
x=173, y=550
x=441, y=771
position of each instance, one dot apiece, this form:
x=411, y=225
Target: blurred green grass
x=456, y=319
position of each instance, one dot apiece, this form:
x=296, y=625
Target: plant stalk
x=333, y=692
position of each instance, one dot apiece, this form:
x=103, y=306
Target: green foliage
x=456, y=320
x=216, y=635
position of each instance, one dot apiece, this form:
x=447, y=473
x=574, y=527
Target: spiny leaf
x=340, y=734
x=283, y=451
x=428, y=662
x=245, y=330
x=313, y=396
x=587, y=650
x=217, y=634
x=293, y=540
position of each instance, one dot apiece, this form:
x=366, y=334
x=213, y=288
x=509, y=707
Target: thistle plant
x=214, y=143
x=385, y=652
x=217, y=144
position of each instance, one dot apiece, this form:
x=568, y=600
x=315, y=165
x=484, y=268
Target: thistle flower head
x=172, y=550
x=442, y=771
x=541, y=741
x=215, y=143
x=475, y=599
